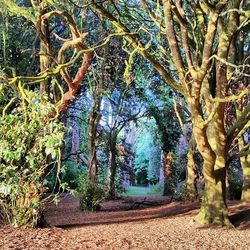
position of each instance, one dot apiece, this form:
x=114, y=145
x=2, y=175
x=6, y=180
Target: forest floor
x=130, y=223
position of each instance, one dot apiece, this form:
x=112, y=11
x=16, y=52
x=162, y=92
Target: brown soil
x=131, y=223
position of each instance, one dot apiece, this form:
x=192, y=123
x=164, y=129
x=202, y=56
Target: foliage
x=71, y=173
x=90, y=193
x=15, y=53
x=30, y=143
x=68, y=177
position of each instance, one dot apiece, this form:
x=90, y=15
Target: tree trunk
x=128, y=175
x=245, y=164
x=191, y=191
x=112, y=174
x=44, y=33
x=213, y=207
x=167, y=171
x=94, y=122
x=244, y=161
x=246, y=179
x=93, y=167
x=161, y=177
x=75, y=142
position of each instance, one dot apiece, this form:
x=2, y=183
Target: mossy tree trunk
x=191, y=191
x=246, y=179
x=213, y=207
x=94, y=122
x=202, y=84
x=208, y=132
x=167, y=172
x=242, y=106
x=45, y=55
x=245, y=164
x=244, y=159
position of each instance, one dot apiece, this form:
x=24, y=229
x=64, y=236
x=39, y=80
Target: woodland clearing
x=121, y=224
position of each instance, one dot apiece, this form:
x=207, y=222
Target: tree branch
x=133, y=40
x=239, y=125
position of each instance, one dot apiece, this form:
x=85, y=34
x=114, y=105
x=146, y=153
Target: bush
x=90, y=194
x=29, y=142
x=69, y=176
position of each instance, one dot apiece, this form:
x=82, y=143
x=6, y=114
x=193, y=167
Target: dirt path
x=167, y=226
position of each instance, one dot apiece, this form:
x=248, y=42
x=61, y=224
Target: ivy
x=30, y=141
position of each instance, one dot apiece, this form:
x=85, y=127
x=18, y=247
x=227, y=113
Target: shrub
x=69, y=176
x=29, y=142
x=90, y=193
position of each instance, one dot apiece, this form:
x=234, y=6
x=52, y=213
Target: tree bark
x=161, y=177
x=94, y=121
x=112, y=174
x=246, y=179
x=167, y=171
x=244, y=160
x=45, y=61
x=245, y=164
x=191, y=191
x=213, y=207
x=75, y=142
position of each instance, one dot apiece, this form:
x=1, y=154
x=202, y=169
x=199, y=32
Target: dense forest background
x=99, y=96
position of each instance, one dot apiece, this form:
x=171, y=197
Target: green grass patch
x=144, y=191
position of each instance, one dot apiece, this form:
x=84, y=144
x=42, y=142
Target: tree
x=161, y=109
x=23, y=103
x=199, y=36
x=124, y=107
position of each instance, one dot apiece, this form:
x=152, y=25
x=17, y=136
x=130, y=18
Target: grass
x=144, y=191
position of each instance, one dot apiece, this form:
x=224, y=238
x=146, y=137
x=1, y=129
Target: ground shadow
x=240, y=215
x=68, y=215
